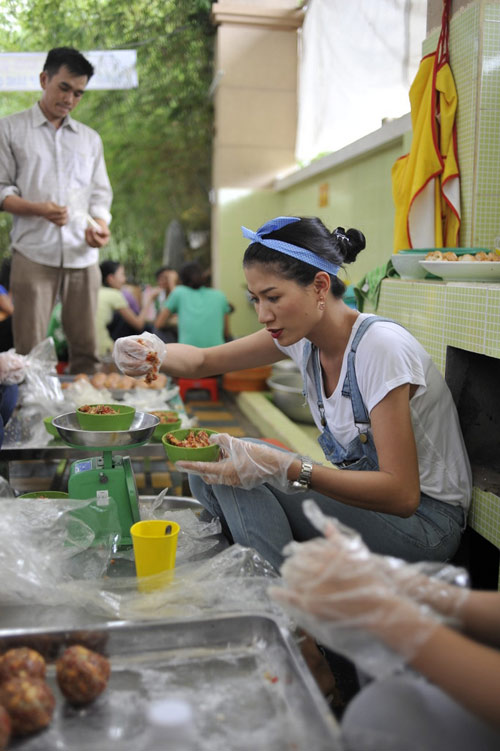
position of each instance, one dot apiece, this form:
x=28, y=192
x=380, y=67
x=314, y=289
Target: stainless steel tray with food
x=242, y=674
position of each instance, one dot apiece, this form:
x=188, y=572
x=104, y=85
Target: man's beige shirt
x=66, y=165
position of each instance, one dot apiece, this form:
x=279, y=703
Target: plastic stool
x=207, y=384
x=275, y=442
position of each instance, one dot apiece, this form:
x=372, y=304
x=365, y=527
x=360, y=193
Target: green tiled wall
x=463, y=315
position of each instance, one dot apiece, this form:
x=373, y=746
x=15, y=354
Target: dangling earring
x=321, y=304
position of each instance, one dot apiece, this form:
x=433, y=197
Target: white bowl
x=407, y=264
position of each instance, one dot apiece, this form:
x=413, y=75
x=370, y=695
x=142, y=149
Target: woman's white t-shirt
x=389, y=356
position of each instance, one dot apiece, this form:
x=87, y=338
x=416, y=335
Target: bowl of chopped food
x=190, y=445
x=105, y=416
x=169, y=421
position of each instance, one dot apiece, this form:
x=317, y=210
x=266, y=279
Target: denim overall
x=267, y=518
x=360, y=453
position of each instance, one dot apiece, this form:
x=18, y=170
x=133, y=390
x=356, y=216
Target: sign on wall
x=114, y=69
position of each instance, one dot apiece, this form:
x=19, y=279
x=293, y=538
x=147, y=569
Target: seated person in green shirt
x=115, y=317
x=202, y=312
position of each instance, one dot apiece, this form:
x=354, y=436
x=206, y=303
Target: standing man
x=53, y=181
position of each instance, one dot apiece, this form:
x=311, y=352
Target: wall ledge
x=384, y=136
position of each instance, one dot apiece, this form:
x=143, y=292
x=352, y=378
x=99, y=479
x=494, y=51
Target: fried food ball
x=5, y=728
x=48, y=645
x=112, y=381
x=92, y=639
x=450, y=256
x=29, y=702
x=22, y=662
x=98, y=380
x=82, y=674
x=434, y=255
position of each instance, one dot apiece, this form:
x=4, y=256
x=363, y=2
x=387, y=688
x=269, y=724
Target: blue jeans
x=266, y=519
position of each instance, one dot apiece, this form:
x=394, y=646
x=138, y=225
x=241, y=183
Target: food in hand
x=22, y=662
x=5, y=728
x=82, y=674
x=29, y=703
x=98, y=409
x=192, y=440
x=154, y=361
x=165, y=417
x=161, y=382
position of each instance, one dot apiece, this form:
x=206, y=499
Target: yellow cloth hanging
x=426, y=181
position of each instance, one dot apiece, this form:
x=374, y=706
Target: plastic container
x=121, y=420
x=171, y=725
x=51, y=430
x=251, y=379
x=184, y=453
x=165, y=427
x=155, y=546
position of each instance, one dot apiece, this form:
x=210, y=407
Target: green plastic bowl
x=165, y=427
x=45, y=494
x=121, y=421
x=47, y=421
x=182, y=453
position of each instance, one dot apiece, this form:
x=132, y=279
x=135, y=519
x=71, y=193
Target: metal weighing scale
x=100, y=478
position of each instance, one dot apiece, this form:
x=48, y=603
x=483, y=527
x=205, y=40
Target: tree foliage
x=157, y=137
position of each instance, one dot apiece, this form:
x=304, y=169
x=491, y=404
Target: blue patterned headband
x=287, y=248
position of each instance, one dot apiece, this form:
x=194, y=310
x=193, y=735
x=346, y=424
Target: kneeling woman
x=388, y=423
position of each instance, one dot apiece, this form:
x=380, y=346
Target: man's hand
x=54, y=213
x=98, y=238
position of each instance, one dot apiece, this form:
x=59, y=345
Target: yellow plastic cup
x=154, y=550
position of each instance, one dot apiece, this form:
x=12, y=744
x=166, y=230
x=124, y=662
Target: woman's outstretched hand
x=243, y=464
x=136, y=355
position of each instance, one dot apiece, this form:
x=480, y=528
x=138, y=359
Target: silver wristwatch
x=303, y=481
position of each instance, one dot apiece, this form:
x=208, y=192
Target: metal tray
x=243, y=674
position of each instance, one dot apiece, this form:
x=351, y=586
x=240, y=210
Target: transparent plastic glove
x=243, y=464
x=334, y=592
x=411, y=580
x=138, y=355
x=12, y=367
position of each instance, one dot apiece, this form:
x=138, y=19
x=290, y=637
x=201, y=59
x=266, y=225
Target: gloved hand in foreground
x=139, y=354
x=243, y=464
x=12, y=367
x=355, y=602
x=424, y=582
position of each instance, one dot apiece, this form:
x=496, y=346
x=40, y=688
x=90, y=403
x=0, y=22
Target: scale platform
x=140, y=432
x=101, y=478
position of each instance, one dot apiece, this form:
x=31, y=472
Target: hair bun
x=350, y=242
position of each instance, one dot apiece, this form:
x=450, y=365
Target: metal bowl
x=286, y=389
x=139, y=432
x=284, y=366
